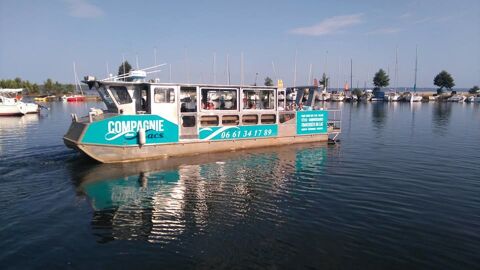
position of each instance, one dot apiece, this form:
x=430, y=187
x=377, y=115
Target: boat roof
x=10, y=90
x=109, y=82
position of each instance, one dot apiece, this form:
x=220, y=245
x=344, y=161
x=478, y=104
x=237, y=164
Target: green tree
x=69, y=89
x=443, y=80
x=35, y=89
x=48, y=85
x=324, y=80
x=474, y=90
x=124, y=68
x=381, y=79
x=268, y=81
x=357, y=92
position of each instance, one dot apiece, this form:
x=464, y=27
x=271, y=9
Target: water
x=400, y=191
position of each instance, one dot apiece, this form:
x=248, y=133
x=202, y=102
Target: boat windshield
x=107, y=99
x=121, y=94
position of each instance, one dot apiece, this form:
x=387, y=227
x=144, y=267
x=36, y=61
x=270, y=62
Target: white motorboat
x=393, y=96
x=473, y=98
x=457, y=98
x=339, y=97
x=11, y=104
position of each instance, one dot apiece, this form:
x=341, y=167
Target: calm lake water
x=401, y=191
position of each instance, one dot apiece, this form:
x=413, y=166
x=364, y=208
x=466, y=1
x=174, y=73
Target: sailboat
x=78, y=89
x=415, y=97
x=394, y=95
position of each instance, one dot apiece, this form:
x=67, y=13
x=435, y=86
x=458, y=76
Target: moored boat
x=457, y=98
x=147, y=120
x=11, y=104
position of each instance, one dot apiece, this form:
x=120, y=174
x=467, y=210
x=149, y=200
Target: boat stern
x=74, y=134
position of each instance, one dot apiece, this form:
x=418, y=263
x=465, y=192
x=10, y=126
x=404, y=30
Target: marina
x=231, y=135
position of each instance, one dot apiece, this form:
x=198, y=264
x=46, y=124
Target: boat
x=457, y=98
x=414, y=97
x=473, y=98
x=75, y=98
x=127, y=131
x=367, y=95
x=378, y=96
x=78, y=89
x=393, y=97
x=11, y=103
x=337, y=97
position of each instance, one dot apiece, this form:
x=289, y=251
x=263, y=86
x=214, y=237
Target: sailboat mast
x=396, y=69
x=351, y=72
x=416, y=62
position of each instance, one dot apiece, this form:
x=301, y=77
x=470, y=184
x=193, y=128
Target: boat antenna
x=295, y=70
x=416, y=62
x=228, y=69
x=256, y=75
x=186, y=66
x=274, y=71
x=123, y=64
x=108, y=72
x=155, y=55
x=214, y=68
x=309, y=80
x=241, y=69
x=136, y=60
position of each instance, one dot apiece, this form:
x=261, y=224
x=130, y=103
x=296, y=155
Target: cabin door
x=164, y=102
x=188, y=113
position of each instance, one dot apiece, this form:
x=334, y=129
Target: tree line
x=49, y=87
x=443, y=80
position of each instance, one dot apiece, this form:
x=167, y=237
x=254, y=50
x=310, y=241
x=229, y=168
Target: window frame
x=167, y=95
x=223, y=89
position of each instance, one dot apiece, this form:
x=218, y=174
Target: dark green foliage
x=19, y=83
x=127, y=67
x=474, y=90
x=443, y=80
x=268, y=81
x=324, y=81
x=381, y=79
x=357, y=92
x=49, y=87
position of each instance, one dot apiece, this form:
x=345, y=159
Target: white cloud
x=386, y=30
x=329, y=25
x=83, y=9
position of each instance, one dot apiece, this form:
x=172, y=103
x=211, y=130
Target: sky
x=42, y=39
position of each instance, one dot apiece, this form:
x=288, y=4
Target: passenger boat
x=11, y=104
x=149, y=120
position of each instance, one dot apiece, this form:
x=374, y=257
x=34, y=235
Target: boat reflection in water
x=162, y=200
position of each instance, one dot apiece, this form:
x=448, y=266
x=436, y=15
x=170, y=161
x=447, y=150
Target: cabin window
x=268, y=118
x=209, y=120
x=258, y=99
x=230, y=120
x=188, y=121
x=120, y=94
x=219, y=99
x=250, y=119
x=284, y=117
x=164, y=95
x=188, y=99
